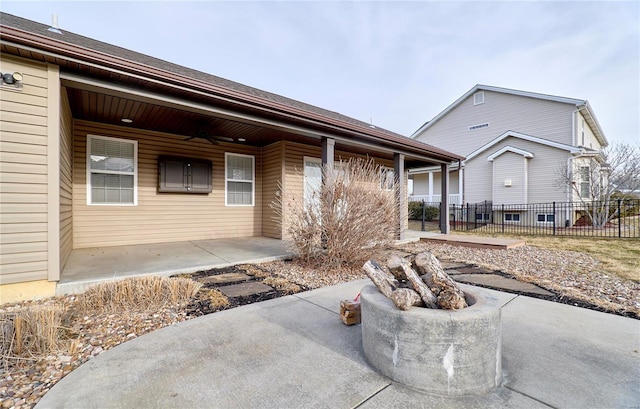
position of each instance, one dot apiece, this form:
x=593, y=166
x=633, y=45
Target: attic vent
x=479, y=126
x=478, y=98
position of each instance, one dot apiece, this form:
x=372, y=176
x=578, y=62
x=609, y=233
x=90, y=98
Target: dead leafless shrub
x=282, y=284
x=216, y=298
x=30, y=332
x=138, y=294
x=346, y=219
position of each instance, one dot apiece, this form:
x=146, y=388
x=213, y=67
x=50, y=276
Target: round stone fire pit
x=443, y=352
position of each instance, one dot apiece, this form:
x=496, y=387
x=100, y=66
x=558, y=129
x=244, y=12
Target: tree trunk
x=448, y=293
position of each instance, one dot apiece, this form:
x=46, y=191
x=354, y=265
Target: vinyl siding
x=294, y=154
x=23, y=179
x=66, y=180
x=272, y=177
x=504, y=112
x=542, y=173
x=510, y=166
x=161, y=217
x=585, y=136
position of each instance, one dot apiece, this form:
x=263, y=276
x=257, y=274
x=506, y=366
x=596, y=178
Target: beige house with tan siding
x=514, y=143
x=103, y=146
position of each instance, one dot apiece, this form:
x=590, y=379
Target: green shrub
x=415, y=211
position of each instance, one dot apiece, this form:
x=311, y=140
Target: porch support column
x=460, y=183
x=444, y=201
x=328, y=152
x=401, y=196
x=430, y=186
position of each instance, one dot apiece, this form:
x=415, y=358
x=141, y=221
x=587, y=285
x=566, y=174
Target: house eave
x=14, y=37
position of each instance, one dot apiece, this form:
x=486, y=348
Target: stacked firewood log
x=418, y=281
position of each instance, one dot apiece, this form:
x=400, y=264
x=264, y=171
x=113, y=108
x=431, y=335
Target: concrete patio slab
x=87, y=267
x=295, y=352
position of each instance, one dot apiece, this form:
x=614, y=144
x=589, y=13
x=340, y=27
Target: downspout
x=569, y=190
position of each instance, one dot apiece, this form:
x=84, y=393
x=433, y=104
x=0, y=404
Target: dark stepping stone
x=452, y=265
x=473, y=270
x=499, y=282
x=225, y=278
x=245, y=289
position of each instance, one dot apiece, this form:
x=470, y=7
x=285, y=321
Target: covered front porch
x=90, y=266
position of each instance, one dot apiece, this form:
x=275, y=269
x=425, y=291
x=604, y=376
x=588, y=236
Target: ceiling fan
x=205, y=133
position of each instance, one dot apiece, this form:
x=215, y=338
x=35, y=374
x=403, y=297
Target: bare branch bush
x=347, y=220
x=596, y=179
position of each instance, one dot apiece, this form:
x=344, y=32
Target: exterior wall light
x=8, y=78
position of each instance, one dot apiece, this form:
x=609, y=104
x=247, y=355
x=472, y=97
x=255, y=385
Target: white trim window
x=512, y=217
x=239, y=179
x=112, y=171
x=546, y=218
x=478, y=98
x=585, y=182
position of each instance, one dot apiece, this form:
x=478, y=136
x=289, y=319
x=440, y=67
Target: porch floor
x=90, y=266
x=475, y=241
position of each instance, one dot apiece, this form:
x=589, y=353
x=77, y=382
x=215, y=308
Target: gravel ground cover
x=577, y=275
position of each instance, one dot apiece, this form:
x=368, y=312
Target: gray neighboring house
x=514, y=143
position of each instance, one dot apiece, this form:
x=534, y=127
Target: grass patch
x=282, y=284
x=31, y=331
x=620, y=257
x=216, y=298
x=137, y=294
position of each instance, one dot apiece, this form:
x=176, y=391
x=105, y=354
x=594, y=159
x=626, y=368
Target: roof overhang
x=506, y=149
x=511, y=134
x=263, y=110
x=581, y=105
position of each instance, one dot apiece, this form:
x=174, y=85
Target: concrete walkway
x=294, y=352
x=87, y=267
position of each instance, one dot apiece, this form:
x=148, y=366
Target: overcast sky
x=397, y=64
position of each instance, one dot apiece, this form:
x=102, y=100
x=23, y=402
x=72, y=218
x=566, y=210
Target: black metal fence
x=618, y=218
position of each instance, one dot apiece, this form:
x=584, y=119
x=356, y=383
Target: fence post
x=475, y=219
x=423, y=213
x=554, y=218
x=502, y=215
x=619, y=219
x=454, y=216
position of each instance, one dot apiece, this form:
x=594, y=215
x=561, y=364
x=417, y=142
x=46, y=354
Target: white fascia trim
x=429, y=169
x=593, y=123
x=522, y=152
x=525, y=137
x=479, y=87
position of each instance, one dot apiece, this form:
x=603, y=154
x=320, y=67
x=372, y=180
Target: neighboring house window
x=239, y=179
x=483, y=217
x=478, y=98
x=479, y=126
x=112, y=171
x=546, y=218
x=512, y=217
x=387, y=178
x=585, y=182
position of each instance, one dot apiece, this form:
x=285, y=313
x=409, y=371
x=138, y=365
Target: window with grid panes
x=239, y=179
x=111, y=171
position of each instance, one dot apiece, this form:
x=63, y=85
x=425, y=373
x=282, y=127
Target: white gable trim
x=525, y=137
x=522, y=152
x=479, y=87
